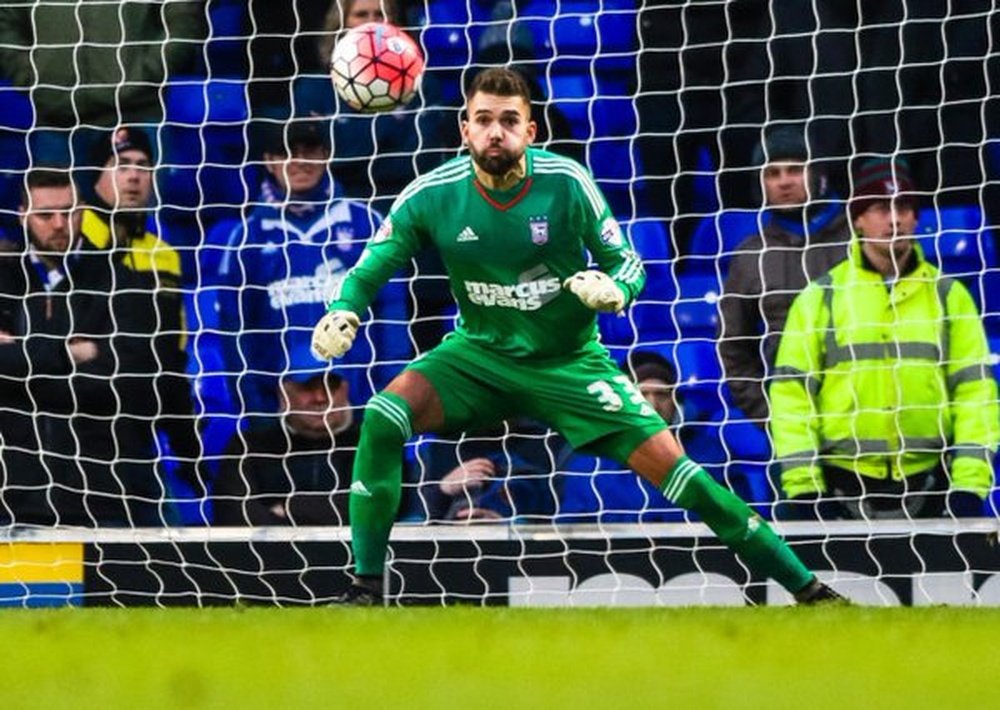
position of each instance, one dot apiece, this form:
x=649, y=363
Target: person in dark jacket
x=100, y=64
x=39, y=351
x=296, y=471
x=138, y=313
x=807, y=234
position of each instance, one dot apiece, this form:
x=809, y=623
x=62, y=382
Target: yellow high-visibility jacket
x=884, y=381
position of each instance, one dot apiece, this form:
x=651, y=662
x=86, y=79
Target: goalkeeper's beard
x=496, y=165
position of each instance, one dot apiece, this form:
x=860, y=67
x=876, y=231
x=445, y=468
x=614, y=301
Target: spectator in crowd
x=136, y=312
x=884, y=403
x=39, y=350
x=807, y=234
x=506, y=473
x=295, y=471
x=95, y=64
x=281, y=266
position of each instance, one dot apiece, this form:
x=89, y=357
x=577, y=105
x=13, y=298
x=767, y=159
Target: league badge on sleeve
x=384, y=232
x=539, y=229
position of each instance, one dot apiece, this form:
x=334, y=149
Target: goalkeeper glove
x=596, y=290
x=334, y=334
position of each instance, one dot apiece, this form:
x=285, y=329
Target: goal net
x=166, y=438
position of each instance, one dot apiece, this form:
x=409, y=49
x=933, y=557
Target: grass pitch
x=462, y=658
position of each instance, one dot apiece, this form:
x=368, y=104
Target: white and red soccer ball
x=376, y=67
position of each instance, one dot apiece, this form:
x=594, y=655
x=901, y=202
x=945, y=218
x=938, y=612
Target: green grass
x=458, y=658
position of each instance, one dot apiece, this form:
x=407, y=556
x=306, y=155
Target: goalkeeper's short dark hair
x=44, y=176
x=499, y=81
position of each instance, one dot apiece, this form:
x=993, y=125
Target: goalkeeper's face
x=498, y=131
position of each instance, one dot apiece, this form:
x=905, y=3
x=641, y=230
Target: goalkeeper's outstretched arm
x=390, y=249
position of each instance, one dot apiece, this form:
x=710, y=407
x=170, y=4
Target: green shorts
x=587, y=398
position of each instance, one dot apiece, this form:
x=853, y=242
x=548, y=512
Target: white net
x=155, y=367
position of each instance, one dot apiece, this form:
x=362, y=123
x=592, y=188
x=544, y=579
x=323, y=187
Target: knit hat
x=882, y=179
x=118, y=141
x=781, y=143
x=279, y=138
x=648, y=365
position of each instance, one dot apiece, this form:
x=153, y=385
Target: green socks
x=377, y=480
x=735, y=524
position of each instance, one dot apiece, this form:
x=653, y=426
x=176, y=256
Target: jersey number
x=610, y=400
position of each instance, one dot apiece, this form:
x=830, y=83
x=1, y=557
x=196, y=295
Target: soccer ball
x=376, y=67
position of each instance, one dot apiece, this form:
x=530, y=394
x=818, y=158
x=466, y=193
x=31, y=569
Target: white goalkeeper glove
x=334, y=334
x=596, y=290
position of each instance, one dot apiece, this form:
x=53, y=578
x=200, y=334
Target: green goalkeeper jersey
x=506, y=253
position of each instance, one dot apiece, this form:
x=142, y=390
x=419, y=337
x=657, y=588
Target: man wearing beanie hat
x=883, y=402
x=137, y=314
x=805, y=232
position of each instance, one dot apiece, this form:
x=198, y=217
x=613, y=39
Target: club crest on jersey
x=539, y=229
x=611, y=233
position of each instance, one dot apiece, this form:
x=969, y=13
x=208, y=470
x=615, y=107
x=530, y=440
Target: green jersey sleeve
x=603, y=238
x=390, y=249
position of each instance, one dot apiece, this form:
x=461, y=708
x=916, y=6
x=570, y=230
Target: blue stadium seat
x=447, y=46
x=18, y=114
x=617, y=30
x=696, y=311
x=611, y=159
x=599, y=490
x=614, y=116
x=448, y=12
x=194, y=101
x=575, y=35
x=699, y=378
x=650, y=239
x=717, y=236
x=957, y=239
x=226, y=44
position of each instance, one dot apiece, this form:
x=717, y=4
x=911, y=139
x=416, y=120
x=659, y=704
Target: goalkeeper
x=513, y=225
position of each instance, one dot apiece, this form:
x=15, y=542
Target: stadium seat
x=717, y=236
x=956, y=238
x=616, y=29
x=614, y=116
x=18, y=114
x=611, y=159
x=225, y=49
x=194, y=101
x=696, y=311
x=699, y=377
x=651, y=241
x=575, y=35
x=447, y=46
